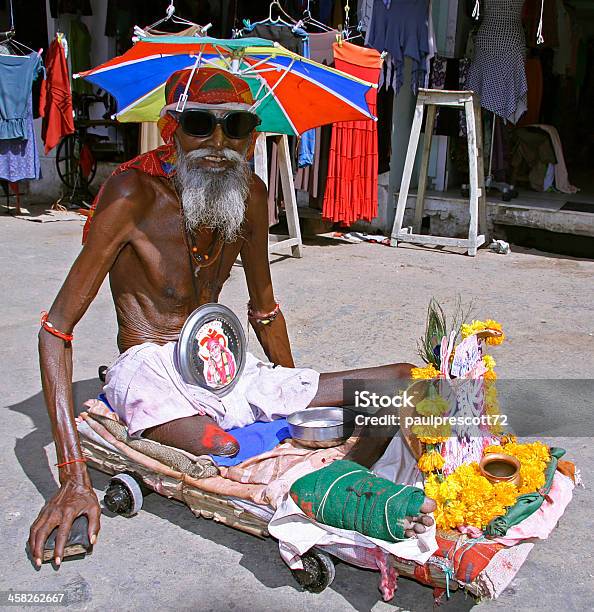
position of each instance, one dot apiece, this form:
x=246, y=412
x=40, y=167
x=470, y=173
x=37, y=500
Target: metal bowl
x=321, y=427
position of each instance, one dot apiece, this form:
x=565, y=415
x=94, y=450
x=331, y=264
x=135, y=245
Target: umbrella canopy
x=292, y=94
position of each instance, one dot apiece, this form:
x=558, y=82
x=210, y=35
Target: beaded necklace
x=203, y=260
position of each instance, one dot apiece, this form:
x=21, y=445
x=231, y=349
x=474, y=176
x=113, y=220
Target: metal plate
x=211, y=349
x=321, y=427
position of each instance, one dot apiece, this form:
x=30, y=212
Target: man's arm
x=111, y=228
x=254, y=256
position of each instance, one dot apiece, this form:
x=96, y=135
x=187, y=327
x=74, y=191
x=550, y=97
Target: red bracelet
x=81, y=460
x=49, y=327
x=264, y=318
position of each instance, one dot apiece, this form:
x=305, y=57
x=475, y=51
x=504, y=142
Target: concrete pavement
x=346, y=306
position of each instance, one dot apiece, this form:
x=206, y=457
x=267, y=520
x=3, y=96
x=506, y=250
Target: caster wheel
x=465, y=191
x=123, y=495
x=506, y=196
x=318, y=571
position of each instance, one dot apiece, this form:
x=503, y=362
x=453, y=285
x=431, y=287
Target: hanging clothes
x=292, y=39
x=56, y=99
x=80, y=54
x=320, y=47
x=17, y=73
x=351, y=187
x=534, y=79
x=19, y=158
x=497, y=73
x=401, y=29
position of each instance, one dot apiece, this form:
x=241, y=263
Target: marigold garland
x=434, y=406
x=466, y=497
x=469, y=329
x=426, y=373
x=431, y=461
x=534, y=458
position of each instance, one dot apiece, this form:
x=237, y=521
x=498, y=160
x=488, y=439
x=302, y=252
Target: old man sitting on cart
x=167, y=228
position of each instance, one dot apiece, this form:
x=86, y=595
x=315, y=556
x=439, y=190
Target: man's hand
x=73, y=499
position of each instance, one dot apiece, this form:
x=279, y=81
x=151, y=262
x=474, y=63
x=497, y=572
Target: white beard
x=210, y=197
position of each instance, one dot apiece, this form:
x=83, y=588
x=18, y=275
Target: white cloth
x=145, y=388
x=297, y=533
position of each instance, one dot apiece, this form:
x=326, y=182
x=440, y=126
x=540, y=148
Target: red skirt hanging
x=351, y=187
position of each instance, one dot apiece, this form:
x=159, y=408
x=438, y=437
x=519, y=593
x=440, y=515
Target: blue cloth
x=17, y=73
x=255, y=439
x=19, y=159
x=400, y=27
x=307, y=144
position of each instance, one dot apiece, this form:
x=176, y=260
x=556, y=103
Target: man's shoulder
x=131, y=185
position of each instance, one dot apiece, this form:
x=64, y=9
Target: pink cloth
x=542, y=522
x=145, y=389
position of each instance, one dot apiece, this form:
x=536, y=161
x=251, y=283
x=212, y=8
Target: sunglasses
x=202, y=123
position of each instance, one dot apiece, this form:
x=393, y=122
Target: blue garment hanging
x=17, y=73
x=402, y=29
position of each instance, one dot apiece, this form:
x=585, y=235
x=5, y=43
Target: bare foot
x=414, y=525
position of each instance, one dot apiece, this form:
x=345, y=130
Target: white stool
x=432, y=98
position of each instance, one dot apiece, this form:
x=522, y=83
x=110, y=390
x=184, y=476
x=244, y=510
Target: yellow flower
x=465, y=497
x=490, y=375
x=431, y=434
x=534, y=458
x=489, y=362
x=432, y=406
x=490, y=324
x=468, y=329
x=431, y=461
x=426, y=373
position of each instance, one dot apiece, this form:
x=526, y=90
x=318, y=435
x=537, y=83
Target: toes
x=427, y=520
x=429, y=505
x=418, y=528
x=409, y=533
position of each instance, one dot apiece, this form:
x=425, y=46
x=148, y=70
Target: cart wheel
x=68, y=167
x=123, y=495
x=318, y=571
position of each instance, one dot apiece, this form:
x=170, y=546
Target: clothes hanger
x=270, y=21
x=169, y=16
x=308, y=19
x=19, y=48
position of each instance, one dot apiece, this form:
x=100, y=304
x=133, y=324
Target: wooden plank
x=286, y=175
x=420, y=204
x=462, y=243
x=473, y=176
x=283, y=244
x=261, y=158
x=444, y=97
x=409, y=163
x=482, y=203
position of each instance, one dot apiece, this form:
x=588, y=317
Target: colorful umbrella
x=292, y=94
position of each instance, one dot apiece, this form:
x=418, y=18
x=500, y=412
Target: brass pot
x=499, y=467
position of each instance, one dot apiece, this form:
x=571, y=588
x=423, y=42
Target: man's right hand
x=73, y=499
